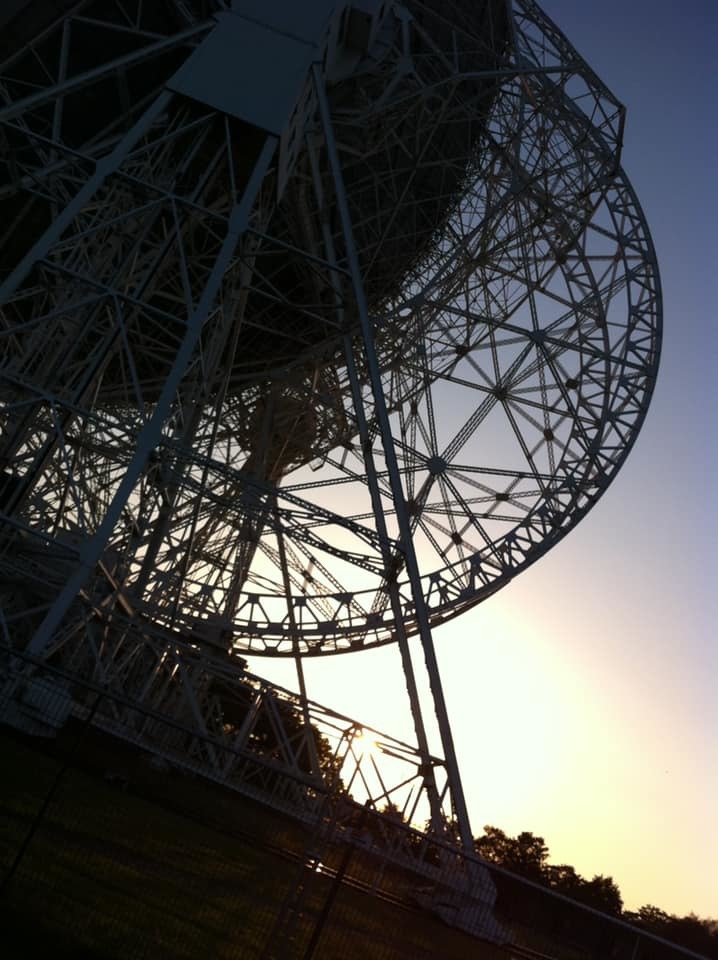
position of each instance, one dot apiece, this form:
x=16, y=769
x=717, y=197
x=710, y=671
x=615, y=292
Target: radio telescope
x=320, y=322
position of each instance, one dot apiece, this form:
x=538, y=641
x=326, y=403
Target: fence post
x=334, y=889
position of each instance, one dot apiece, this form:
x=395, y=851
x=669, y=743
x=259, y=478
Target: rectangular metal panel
x=248, y=71
x=306, y=21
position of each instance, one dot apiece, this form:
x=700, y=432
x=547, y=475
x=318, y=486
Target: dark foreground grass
x=110, y=873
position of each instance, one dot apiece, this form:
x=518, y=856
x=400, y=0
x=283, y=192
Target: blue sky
x=583, y=696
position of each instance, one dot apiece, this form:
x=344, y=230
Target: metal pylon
x=405, y=549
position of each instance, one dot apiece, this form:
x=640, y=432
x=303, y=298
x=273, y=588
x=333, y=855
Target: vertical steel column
x=375, y=494
x=402, y=515
x=151, y=433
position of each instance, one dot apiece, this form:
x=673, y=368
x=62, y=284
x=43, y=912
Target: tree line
x=527, y=855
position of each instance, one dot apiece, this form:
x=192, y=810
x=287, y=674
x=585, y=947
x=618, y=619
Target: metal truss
x=204, y=713
x=306, y=382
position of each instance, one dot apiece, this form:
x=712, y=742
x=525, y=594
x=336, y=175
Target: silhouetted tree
x=391, y=810
x=277, y=723
x=650, y=917
x=601, y=893
x=564, y=879
x=524, y=854
x=692, y=932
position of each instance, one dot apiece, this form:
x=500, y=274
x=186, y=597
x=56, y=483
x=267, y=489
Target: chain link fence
x=110, y=851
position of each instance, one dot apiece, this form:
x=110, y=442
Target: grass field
x=110, y=873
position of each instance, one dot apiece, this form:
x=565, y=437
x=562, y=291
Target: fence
x=114, y=850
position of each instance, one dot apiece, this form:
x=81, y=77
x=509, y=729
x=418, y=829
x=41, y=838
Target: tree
x=602, y=894
x=392, y=811
x=564, y=879
x=690, y=931
x=695, y=934
x=650, y=917
x=525, y=854
x=278, y=731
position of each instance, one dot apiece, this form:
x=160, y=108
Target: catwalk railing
x=121, y=851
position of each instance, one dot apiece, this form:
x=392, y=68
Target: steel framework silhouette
x=318, y=326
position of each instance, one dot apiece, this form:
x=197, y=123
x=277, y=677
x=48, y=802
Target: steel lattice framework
x=303, y=372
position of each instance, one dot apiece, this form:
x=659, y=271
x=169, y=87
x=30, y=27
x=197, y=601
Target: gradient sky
x=583, y=696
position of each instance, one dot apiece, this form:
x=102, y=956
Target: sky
x=583, y=695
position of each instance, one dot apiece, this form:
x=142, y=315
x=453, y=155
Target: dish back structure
x=319, y=323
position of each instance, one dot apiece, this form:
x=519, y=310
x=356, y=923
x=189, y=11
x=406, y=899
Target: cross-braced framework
x=308, y=369
x=206, y=714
